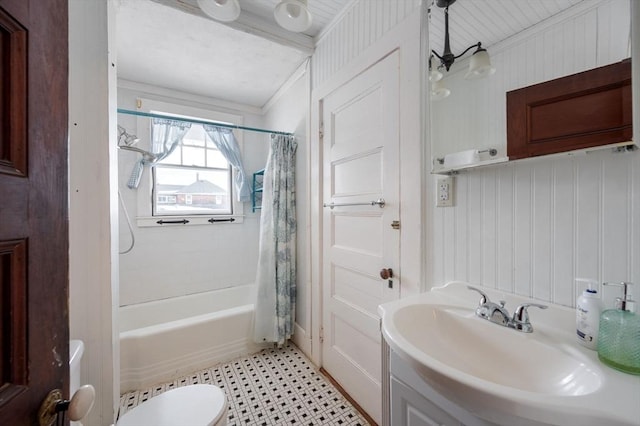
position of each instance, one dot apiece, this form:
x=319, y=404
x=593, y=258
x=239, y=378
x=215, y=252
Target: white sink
x=503, y=375
x=455, y=339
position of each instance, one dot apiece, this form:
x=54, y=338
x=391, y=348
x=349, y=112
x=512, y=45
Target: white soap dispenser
x=588, y=310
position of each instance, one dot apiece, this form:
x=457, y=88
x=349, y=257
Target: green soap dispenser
x=619, y=334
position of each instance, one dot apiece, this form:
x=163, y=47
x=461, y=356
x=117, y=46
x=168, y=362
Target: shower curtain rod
x=191, y=120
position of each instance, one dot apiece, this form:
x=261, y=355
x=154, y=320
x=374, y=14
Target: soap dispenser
x=619, y=335
x=588, y=311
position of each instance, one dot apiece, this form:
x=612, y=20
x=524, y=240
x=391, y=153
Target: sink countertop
x=601, y=395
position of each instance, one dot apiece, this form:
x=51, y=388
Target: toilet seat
x=193, y=405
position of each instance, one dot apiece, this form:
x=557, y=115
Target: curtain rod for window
x=190, y=120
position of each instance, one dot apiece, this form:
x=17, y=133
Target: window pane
x=216, y=159
x=189, y=191
x=174, y=158
x=195, y=136
x=193, y=156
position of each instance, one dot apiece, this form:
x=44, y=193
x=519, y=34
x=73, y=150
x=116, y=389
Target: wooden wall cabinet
x=583, y=110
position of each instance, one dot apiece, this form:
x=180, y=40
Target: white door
x=360, y=146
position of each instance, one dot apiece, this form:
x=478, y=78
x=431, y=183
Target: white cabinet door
x=409, y=408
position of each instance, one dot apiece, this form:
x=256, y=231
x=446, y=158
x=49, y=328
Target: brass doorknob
x=386, y=273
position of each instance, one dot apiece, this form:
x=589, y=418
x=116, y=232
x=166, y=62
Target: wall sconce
x=438, y=91
x=479, y=65
x=434, y=73
x=292, y=15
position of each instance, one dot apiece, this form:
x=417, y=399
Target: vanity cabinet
x=416, y=403
x=410, y=408
x=582, y=110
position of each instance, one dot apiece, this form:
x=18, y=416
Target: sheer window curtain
x=226, y=142
x=165, y=137
x=276, y=275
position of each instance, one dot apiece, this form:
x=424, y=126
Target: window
x=195, y=160
x=195, y=179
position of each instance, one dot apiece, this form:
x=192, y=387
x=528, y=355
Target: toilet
x=193, y=405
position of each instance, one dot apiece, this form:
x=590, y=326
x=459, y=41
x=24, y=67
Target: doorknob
x=78, y=407
x=386, y=273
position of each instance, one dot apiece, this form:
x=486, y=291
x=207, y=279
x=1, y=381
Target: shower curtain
x=276, y=276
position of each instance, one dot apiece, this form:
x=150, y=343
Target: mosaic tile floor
x=273, y=387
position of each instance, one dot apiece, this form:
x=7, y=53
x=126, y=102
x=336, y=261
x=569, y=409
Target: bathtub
x=166, y=339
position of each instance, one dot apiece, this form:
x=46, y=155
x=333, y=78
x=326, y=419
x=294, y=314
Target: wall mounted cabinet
x=583, y=110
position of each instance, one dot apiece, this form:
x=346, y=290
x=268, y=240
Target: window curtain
x=165, y=136
x=276, y=276
x=226, y=142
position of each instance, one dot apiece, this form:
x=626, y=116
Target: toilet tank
x=76, y=349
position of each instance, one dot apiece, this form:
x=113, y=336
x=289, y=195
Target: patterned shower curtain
x=276, y=276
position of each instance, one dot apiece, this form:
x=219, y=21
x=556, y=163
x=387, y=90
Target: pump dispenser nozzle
x=619, y=334
x=626, y=302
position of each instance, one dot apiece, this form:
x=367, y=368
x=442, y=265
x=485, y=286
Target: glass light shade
x=479, y=65
x=438, y=91
x=434, y=73
x=221, y=10
x=293, y=15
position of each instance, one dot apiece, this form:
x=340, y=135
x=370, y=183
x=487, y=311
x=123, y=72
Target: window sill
x=165, y=221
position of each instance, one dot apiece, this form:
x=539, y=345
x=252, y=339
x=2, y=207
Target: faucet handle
x=520, y=320
x=484, y=299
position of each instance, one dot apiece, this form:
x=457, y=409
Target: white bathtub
x=166, y=339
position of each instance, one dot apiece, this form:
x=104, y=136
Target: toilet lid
x=194, y=405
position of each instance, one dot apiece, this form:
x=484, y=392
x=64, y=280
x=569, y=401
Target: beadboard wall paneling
x=531, y=227
x=362, y=24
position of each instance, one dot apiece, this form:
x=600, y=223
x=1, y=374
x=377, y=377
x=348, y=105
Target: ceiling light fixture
x=480, y=63
x=293, y=15
x=221, y=10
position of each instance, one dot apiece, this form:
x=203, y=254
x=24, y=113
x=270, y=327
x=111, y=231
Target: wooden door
x=34, y=330
x=360, y=122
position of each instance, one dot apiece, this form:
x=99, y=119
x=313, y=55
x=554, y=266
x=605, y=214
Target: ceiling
x=172, y=44
x=489, y=21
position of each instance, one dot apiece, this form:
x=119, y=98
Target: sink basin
x=502, y=375
x=457, y=342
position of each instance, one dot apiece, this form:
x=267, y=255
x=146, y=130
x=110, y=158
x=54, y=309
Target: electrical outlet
x=444, y=194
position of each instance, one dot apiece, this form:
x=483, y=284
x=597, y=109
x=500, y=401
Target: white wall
x=288, y=111
x=173, y=261
x=531, y=227
x=93, y=238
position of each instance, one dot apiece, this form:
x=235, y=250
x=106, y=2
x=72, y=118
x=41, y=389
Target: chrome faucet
x=498, y=314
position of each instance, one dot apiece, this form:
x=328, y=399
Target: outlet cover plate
x=444, y=192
